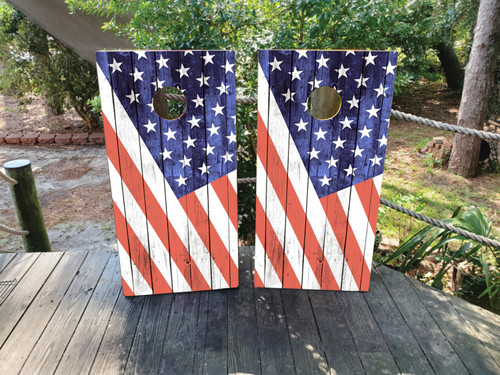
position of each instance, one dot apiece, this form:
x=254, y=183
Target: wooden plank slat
x=470, y=350
x=81, y=350
x=14, y=306
x=434, y=344
x=399, y=338
x=340, y=350
x=52, y=343
x=35, y=318
x=5, y=259
x=243, y=344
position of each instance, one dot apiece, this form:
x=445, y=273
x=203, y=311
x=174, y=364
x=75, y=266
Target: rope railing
x=10, y=180
x=17, y=232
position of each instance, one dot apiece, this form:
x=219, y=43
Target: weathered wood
x=434, y=344
x=340, y=350
x=398, y=336
x=243, y=344
x=53, y=342
x=28, y=210
x=29, y=283
x=149, y=336
x=5, y=259
x=36, y=317
x=81, y=350
x=470, y=350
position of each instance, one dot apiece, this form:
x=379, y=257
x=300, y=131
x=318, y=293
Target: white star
x=381, y=90
x=231, y=137
x=289, y=95
x=373, y=111
x=365, y=132
x=209, y=149
x=389, y=69
x=151, y=105
x=203, y=80
x=295, y=73
x=170, y=134
x=358, y=151
x=208, y=58
x=158, y=85
x=346, y=123
x=302, y=53
x=301, y=125
x=150, y=126
x=382, y=141
x=190, y=142
x=370, y=59
x=204, y=169
x=162, y=62
x=189, y=52
x=325, y=180
x=116, y=66
x=166, y=154
x=354, y=102
x=275, y=64
x=137, y=75
x=305, y=106
x=322, y=62
x=133, y=97
x=183, y=71
x=361, y=81
x=313, y=154
x=218, y=110
x=222, y=88
x=339, y=143
x=320, y=134
x=350, y=170
x=227, y=157
x=350, y=52
x=198, y=101
x=332, y=162
x=141, y=54
x=181, y=180
x=342, y=71
x=314, y=83
x=228, y=68
x=194, y=122
x=376, y=160
x=213, y=130
x=185, y=162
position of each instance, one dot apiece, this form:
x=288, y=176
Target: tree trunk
x=451, y=66
x=478, y=82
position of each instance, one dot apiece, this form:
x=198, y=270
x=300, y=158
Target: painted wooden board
x=319, y=181
x=173, y=182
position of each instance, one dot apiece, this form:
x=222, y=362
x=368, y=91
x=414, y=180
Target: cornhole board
x=173, y=182
x=318, y=181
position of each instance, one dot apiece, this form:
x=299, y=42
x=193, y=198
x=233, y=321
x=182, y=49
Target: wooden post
x=29, y=213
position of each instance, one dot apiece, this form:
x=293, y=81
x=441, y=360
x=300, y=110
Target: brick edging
x=52, y=138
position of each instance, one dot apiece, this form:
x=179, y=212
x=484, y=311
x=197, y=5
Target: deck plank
x=5, y=259
x=52, y=343
x=29, y=283
x=83, y=346
x=398, y=336
x=470, y=350
x=36, y=317
x=435, y=345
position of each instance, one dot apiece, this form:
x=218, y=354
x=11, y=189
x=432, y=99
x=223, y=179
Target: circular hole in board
x=166, y=107
x=324, y=103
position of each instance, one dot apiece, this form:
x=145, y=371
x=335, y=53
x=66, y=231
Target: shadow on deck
x=66, y=314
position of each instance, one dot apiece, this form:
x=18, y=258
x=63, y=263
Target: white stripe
x=175, y=212
x=233, y=231
x=127, y=276
x=273, y=280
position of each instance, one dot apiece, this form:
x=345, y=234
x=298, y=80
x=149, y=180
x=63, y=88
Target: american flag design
x=173, y=182
x=319, y=181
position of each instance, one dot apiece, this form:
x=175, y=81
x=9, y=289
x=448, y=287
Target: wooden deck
x=65, y=314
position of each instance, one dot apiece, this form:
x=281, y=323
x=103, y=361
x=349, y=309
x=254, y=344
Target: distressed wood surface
x=172, y=179
x=400, y=326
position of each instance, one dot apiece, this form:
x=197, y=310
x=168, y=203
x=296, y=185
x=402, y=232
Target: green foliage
x=35, y=63
x=450, y=249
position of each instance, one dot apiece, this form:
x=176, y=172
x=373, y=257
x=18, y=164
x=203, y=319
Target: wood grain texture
x=5, y=259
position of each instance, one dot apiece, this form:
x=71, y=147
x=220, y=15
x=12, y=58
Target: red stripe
x=178, y=252
x=225, y=191
x=369, y=198
x=257, y=280
x=288, y=271
x=127, y=292
x=233, y=215
x=295, y=213
x=212, y=240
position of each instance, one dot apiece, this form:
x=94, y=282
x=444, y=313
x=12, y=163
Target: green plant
x=450, y=249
